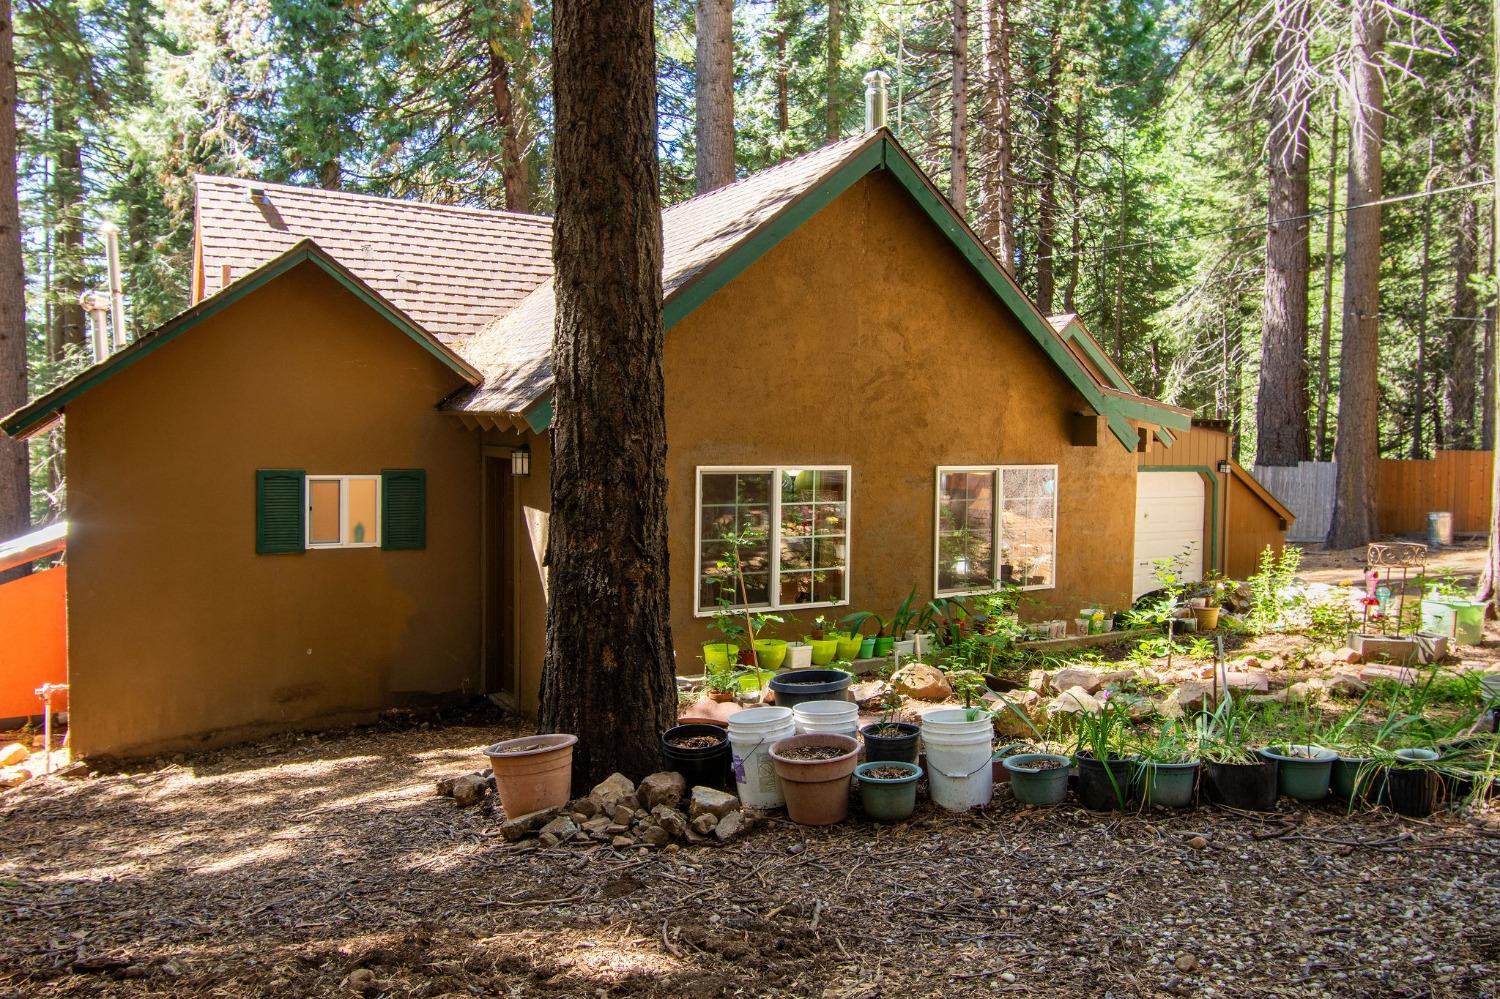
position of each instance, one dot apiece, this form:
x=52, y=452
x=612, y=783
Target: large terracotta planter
x=533, y=772
x=817, y=791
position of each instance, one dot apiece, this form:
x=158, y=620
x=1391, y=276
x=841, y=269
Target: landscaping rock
x=1073, y=701
x=655, y=835
x=922, y=682
x=598, y=823
x=869, y=695
x=702, y=825
x=1037, y=680
x=1348, y=683
x=1381, y=671
x=707, y=801
x=1251, y=680
x=586, y=807
x=622, y=813
x=1195, y=694
x=707, y=711
x=444, y=788
x=524, y=825
x=1169, y=706
x=1345, y=655
x=665, y=788
x=1073, y=676
x=670, y=819
x=469, y=790
x=608, y=792
x=548, y=840
x=622, y=842
x=1305, y=692
x=14, y=778
x=13, y=754
x=731, y=826
x=560, y=829
x=1013, y=713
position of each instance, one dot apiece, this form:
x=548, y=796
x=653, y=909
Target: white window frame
x=774, y=535
x=343, y=481
x=996, y=543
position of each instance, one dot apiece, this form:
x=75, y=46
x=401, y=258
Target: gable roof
x=1083, y=343
x=709, y=240
x=449, y=268
x=43, y=411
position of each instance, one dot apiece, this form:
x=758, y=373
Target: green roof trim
x=46, y=408
x=1096, y=354
x=539, y=417
x=1166, y=436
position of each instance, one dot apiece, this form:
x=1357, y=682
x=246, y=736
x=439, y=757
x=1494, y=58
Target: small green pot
x=1038, y=787
x=849, y=646
x=823, y=649
x=884, y=644
x=1302, y=777
x=888, y=799
x=720, y=653
x=1170, y=785
x=771, y=652
x=867, y=647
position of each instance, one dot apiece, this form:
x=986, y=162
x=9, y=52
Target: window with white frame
x=976, y=550
x=789, y=527
x=343, y=511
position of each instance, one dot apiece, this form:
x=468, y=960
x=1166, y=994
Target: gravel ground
x=325, y=866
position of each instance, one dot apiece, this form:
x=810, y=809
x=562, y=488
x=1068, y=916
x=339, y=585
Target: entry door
x=499, y=579
x=1168, y=519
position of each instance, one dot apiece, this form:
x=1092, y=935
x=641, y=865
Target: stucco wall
x=179, y=633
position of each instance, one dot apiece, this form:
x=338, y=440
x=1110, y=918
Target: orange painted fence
x=1454, y=481
x=33, y=641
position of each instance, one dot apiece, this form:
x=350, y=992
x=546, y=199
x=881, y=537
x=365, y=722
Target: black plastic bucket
x=706, y=765
x=1250, y=786
x=891, y=748
x=1098, y=792
x=798, y=686
x=1413, y=791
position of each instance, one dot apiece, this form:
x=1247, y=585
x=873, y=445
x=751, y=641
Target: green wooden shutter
x=403, y=508
x=279, y=507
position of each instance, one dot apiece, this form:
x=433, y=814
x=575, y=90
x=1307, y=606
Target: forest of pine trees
x=1180, y=175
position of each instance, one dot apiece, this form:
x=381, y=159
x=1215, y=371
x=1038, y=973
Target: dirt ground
x=284, y=869
x=1464, y=560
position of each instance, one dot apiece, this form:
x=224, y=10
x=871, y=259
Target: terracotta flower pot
x=533, y=772
x=817, y=791
x=1208, y=618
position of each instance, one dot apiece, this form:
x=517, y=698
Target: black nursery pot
x=1413, y=791
x=1250, y=786
x=1096, y=791
x=891, y=748
x=706, y=765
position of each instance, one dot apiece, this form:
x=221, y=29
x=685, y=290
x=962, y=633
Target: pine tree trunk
x=608, y=674
x=1357, y=449
x=1459, y=389
x=1281, y=404
x=1075, y=202
x=1489, y=585
x=997, y=180
x=15, y=472
x=1046, y=225
x=713, y=87
x=1424, y=291
x=1325, y=332
x=835, y=115
x=71, y=265
x=958, y=172
x=512, y=159
x=783, y=72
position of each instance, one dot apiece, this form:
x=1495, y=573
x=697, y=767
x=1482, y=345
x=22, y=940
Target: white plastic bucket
x=751, y=733
x=959, y=774
x=827, y=718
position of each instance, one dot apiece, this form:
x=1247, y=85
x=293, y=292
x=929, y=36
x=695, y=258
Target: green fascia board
x=539, y=417
x=1166, y=436
x=1213, y=502
x=46, y=408
x=1146, y=411
x=1105, y=364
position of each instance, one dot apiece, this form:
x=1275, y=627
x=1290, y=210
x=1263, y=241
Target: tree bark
x=783, y=72
x=713, y=86
x=1325, y=332
x=70, y=263
x=835, y=115
x=1420, y=394
x=1459, y=389
x=997, y=179
x=1489, y=584
x=1046, y=223
x=1281, y=403
x=15, y=471
x=958, y=169
x=512, y=157
x=1357, y=449
x=608, y=674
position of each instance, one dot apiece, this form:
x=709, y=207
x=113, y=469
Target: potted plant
x=814, y=772
x=881, y=642
x=721, y=681
x=823, y=638
x=1304, y=771
x=700, y=752
x=889, y=739
x=1413, y=783
x=888, y=789
x=1234, y=774
x=1169, y=767
x=797, y=686
x=1038, y=778
x=533, y=772
x=900, y=622
x=1105, y=774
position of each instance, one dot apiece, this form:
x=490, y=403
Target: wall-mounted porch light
x=1223, y=468
x=520, y=462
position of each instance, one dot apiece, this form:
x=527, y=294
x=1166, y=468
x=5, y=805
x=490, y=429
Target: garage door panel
x=1169, y=509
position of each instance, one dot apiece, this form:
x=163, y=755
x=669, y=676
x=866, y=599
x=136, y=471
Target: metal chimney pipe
x=116, y=285
x=876, y=99
x=96, y=304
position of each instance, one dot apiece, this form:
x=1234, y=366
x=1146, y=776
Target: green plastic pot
x=823, y=649
x=1169, y=785
x=884, y=644
x=1353, y=779
x=1038, y=787
x=1459, y=619
x=720, y=653
x=771, y=652
x=867, y=647
x=1303, y=773
x=849, y=646
x=888, y=799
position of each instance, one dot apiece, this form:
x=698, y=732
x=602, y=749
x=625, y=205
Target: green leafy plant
x=1174, y=742
x=1224, y=734
x=1271, y=596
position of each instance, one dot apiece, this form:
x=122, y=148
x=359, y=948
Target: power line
x=1323, y=213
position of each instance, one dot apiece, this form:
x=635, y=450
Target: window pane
x=796, y=554
x=361, y=529
x=323, y=511
x=1028, y=529
x=798, y=485
x=966, y=512
x=796, y=519
x=736, y=505
x=828, y=587
x=796, y=587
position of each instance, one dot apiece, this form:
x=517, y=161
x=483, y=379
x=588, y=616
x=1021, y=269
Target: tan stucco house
x=323, y=489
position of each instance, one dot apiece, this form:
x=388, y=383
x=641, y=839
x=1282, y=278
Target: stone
x=469, y=789
x=664, y=788
x=1169, y=706
x=622, y=814
x=708, y=712
x=363, y=981
x=1198, y=843
x=1252, y=680
x=921, y=682
x=1074, y=676
x=622, y=841
x=670, y=819
x=1304, y=692
x=548, y=840
x=560, y=828
x=1345, y=655
x=608, y=792
x=1348, y=683
x=731, y=826
x=1073, y=701
x=597, y=823
x=13, y=754
x=869, y=695
x=655, y=835
x=1274, y=697
x=1195, y=695
x=1037, y=680
x=524, y=825
x=1013, y=713
x=444, y=787
x=631, y=802
x=1186, y=963
x=702, y=825
x=586, y=807
x=1380, y=671
x=708, y=801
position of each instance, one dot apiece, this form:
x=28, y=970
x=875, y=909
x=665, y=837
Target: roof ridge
x=774, y=167
x=357, y=196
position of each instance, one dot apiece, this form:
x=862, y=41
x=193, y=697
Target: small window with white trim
x=996, y=524
x=788, y=525
x=343, y=511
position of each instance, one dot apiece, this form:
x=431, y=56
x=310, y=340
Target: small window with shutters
x=296, y=511
x=403, y=508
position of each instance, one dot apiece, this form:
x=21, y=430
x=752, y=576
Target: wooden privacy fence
x=1406, y=492
x=1455, y=481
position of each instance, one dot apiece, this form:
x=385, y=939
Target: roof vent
x=258, y=196
x=876, y=99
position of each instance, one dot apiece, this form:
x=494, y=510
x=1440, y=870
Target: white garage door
x=1168, y=520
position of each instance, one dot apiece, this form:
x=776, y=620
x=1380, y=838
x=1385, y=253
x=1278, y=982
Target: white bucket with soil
x=959, y=775
x=827, y=718
x=751, y=733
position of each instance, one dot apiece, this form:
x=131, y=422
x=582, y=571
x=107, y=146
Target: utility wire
x=1323, y=213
